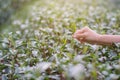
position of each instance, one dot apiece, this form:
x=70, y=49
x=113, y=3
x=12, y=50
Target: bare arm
x=109, y=39
x=89, y=36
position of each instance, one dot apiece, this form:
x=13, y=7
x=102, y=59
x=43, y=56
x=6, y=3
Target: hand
x=87, y=35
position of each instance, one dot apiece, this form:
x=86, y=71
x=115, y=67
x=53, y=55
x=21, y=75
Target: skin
x=86, y=35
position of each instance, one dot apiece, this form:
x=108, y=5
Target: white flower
x=102, y=59
x=6, y=40
x=1, y=53
x=66, y=19
x=40, y=78
x=49, y=30
x=95, y=47
x=105, y=72
x=35, y=52
x=22, y=55
x=90, y=66
x=10, y=33
x=18, y=42
x=37, y=18
x=12, y=51
x=42, y=66
x=29, y=76
x=16, y=22
x=33, y=43
x=109, y=67
x=18, y=32
x=27, y=68
x=23, y=26
x=77, y=72
x=4, y=45
x=49, y=12
x=114, y=76
x=37, y=33
x=79, y=58
x=117, y=66
x=43, y=21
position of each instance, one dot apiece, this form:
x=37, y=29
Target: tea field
x=37, y=44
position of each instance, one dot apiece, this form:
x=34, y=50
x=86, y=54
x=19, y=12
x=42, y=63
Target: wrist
x=103, y=40
x=99, y=36
x=100, y=39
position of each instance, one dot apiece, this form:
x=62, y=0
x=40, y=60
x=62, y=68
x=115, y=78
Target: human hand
x=87, y=35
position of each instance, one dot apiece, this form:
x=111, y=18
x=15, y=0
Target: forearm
x=109, y=39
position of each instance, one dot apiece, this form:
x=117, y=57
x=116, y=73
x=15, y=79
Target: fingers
x=80, y=31
x=80, y=37
x=81, y=40
x=83, y=35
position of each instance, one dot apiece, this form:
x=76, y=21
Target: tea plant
x=41, y=47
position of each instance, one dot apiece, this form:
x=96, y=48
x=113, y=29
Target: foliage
x=42, y=47
x=8, y=7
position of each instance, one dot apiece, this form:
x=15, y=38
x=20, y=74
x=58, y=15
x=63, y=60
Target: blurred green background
x=10, y=8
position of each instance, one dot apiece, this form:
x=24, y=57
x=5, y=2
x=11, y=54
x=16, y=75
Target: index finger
x=79, y=31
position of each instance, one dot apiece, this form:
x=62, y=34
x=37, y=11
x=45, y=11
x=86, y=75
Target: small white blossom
x=16, y=22
x=6, y=40
x=77, y=72
x=42, y=66
x=33, y=43
x=102, y=59
x=79, y=58
x=109, y=67
x=1, y=53
x=18, y=32
x=105, y=72
x=35, y=53
x=23, y=26
x=114, y=76
x=117, y=66
x=18, y=42
x=29, y=76
x=4, y=45
x=37, y=33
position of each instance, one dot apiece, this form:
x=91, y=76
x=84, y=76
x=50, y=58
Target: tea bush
x=41, y=47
